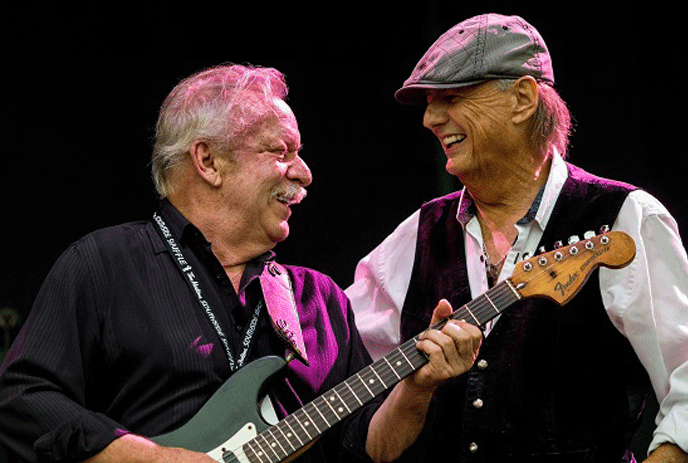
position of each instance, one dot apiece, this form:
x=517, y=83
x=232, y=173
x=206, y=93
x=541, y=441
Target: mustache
x=291, y=193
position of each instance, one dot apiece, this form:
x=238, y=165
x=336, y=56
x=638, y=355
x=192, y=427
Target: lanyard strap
x=187, y=271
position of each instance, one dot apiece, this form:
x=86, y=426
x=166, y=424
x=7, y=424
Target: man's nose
x=300, y=172
x=434, y=115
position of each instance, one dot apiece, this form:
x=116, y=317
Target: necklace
x=492, y=269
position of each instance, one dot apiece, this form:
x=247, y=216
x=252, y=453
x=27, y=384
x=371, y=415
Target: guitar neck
x=306, y=424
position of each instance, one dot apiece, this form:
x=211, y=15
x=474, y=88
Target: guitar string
x=386, y=378
x=479, y=308
x=360, y=389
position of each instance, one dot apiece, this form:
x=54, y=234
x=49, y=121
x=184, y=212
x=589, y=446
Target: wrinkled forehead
x=278, y=125
x=287, y=120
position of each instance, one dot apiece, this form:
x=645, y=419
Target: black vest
x=556, y=384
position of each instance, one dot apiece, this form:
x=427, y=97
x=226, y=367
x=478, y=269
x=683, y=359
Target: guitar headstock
x=559, y=274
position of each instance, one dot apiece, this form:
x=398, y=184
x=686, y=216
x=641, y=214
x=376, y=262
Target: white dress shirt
x=647, y=301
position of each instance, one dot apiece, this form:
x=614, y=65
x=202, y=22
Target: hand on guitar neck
x=451, y=351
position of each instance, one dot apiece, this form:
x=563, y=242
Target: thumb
x=442, y=311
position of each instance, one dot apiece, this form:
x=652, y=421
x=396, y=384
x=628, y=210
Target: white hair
x=217, y=105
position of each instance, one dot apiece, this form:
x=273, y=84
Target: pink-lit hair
x=551, y=126
x=552, y=123
x=217, y=105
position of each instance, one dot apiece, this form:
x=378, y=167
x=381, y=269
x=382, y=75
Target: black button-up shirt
x=117, y=342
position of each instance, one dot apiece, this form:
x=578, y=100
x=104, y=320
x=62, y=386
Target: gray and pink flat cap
x=485, y=47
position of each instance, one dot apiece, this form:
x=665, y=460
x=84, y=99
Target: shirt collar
x=541, y=208
x=189, y=235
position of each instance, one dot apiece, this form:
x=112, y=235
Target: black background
x=82, y=86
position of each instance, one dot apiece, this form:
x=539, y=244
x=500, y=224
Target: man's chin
x=280, y=233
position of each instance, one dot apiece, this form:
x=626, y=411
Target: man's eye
x=279, y=152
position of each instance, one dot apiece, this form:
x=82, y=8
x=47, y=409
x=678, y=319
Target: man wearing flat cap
x=550, y=383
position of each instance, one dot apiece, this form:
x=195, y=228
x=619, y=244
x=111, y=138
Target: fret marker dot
x=288, y=434
x=273, y=444
x=306, y=423
x=371, y=381
x=331, y=398
x=340, y=409
x=398, y=362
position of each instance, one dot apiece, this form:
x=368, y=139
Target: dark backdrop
x=82, y=87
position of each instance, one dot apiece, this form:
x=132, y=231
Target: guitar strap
x=279, y=299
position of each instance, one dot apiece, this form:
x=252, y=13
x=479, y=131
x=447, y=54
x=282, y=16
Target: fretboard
x=306, y=424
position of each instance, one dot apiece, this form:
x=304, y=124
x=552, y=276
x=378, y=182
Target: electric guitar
x=229, y=427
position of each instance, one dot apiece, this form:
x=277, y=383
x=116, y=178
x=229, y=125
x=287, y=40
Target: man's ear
x=207, y=164
x=526, y=96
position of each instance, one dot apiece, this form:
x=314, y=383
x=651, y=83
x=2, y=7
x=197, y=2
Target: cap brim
x=413, y=94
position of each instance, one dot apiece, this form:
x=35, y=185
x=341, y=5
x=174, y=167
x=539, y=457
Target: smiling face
x=265, y=176
x=472, y=124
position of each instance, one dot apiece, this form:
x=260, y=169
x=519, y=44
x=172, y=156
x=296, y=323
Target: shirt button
x=482, y=364
x=478, y=403
x=473, y=447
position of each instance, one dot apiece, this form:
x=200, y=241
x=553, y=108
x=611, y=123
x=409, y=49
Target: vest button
x=478, y=403
x=473, y=447
x=482, y=364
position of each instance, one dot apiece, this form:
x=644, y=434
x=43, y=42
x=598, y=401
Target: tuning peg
x=604, y=229
x=558, y=244
x=573, y=239
x=541, y=250
x=588, y=234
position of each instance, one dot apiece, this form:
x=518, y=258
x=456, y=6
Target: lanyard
x=187, y=271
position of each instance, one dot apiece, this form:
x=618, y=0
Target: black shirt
x=116, y=342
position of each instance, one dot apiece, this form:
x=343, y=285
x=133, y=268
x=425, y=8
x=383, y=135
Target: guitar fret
x=309, y=422
x=392, y=368
x=327, y=423
x=266, y=445
x=352, y=392
x=378, y=377
x=405, y=357
x=417, y=358
x=513, y=290
x=372, y=394
x=276, y=441
x=465, y=307
x=257, y=453
x=385, y=372
x=284, y=437
x=332, y=408
x=402, y=364
x=364, y=384
x=342, y=401
x=291, y=430
x=491, y=303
